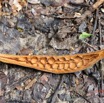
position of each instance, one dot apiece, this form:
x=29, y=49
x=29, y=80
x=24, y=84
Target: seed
x=23, y=59
x=77, y=59
x=34, y=60
x=40, y=65
x=62, y=59
x=61, y=66
x=67, y=57
x=51, y=60
x=35, y=65
x=43, y=60
x=72, y=65
x=55, y=66
x=66, y=66
x=79, y=64
x=29, y=59
x=48, y=66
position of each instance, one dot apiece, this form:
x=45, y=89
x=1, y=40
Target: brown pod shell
x=85, y=61
x=55, y=64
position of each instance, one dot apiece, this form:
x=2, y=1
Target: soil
x=51, y=27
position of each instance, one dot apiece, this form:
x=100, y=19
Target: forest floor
x=51, y=27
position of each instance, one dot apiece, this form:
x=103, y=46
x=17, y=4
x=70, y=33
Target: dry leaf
x=33, y=1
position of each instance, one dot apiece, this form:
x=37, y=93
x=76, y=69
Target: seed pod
x=55, y=64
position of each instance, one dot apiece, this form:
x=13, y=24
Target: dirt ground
x=50, y=27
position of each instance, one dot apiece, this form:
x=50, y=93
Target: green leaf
x=84, y=35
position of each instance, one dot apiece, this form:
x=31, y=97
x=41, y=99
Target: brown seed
x=34, y=60
x=61, y=66
x=40, y=65
x=66, y=66
x=77, y=59
x=23, y=59
x=35, y=65
x=43, y=60
x=55, y=66
x=67, y=57
x=29, y=59
x=79, y=64
x=85, y=61
x=72, y=65
x=62, y=59
x=51, y=60
x=48, y=66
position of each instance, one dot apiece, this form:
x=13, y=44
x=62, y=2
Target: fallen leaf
x=84, y=35
x=33, y=1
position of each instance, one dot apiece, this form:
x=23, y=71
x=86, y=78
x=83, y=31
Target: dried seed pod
x=53, y=64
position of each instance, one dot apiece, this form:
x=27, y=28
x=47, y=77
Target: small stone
x=77, y=1
x=102, y=9
x=33, y=1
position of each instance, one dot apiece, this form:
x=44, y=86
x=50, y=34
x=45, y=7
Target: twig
x=53, y=97
x=90, y=45
x=95, y=26
x=81, y=96
x=101, y=87
x=97, y=4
